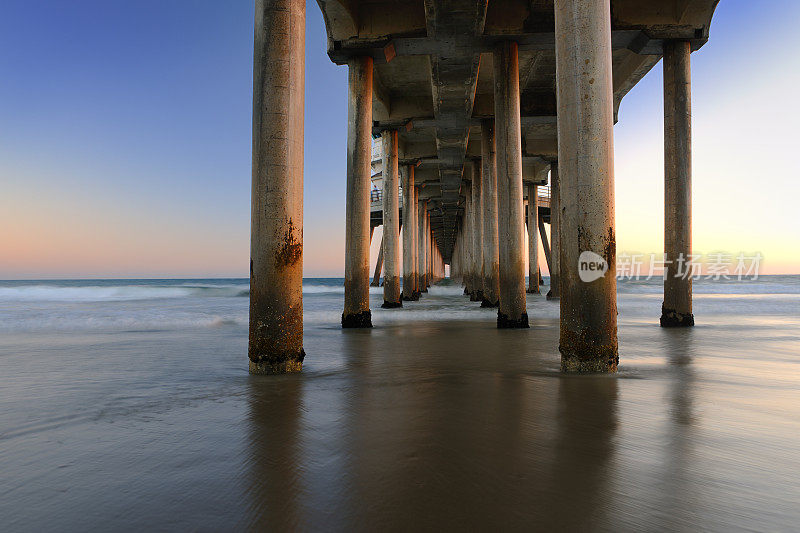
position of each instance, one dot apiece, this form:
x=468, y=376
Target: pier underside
x=478, y=104
x=433, y=78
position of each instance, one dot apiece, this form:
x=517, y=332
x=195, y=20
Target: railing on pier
x=543, y=192
x=376, y=195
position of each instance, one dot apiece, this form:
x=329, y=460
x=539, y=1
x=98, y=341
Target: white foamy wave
x=98, y=293
x=312, y=288
x=322, y=289
x=141, y=320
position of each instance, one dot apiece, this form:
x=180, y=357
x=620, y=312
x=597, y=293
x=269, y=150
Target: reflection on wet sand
x=679, y=492
x=459, y=443
x=580, y=483
x=434, y=420
x=275, y=457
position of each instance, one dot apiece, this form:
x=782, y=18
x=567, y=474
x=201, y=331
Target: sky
x=125, y=138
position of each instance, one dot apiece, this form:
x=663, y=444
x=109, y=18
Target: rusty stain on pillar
x=491, y=246
x=276, y=245
x=676, y=310
x=356, y=312
x=588, y=340
x=511, y=212
x=391, y=222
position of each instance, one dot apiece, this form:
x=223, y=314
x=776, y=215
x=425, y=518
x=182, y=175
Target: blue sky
x=125, y=140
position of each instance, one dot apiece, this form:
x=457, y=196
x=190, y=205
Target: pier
x=495, y=118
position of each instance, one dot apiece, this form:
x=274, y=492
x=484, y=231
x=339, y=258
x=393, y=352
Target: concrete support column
x=276, y=243
x=477, y=232
x=462, y=247
x=376, y=280
x=586, y=239
x=429, y=249
x=533, y=239
x=469, y=279
x=413, y=209
x=511, y=210
x=423, y=257
x=677, y=308
x=435, y=264
x=545, y=244
x=491, y=245
x=359, y=154
x=455, y=266
x=409, y=233
x=391, y=222
x=555, y=232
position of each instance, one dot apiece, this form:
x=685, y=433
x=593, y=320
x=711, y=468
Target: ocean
x=126, y=404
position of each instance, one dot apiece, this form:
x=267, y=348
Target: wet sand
x=423, y=424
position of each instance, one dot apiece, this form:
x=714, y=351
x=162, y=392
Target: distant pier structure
x=492, y=115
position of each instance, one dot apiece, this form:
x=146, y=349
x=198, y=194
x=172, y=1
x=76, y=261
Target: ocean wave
x=109, y=291
x=99, y=293
x=141, y=320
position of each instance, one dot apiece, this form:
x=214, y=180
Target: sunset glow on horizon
x=125, y=143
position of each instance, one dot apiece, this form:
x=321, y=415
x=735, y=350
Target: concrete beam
x=647, y=40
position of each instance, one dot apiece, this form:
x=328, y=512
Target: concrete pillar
x=376, y=280
x=391, y=222
x=415, y=236
x=491, y=245
x=555, y=234
x=455, y=265
x=430, y=248
x=356, y=312
x=435, y=266
x=477, y=231
x=276, y=243
x=511, y=211
x=409, y=233
x=533, y=239
x=586, y=173
x=677, y=307
x=545, y=244
x=428, y=251
x=454, y=260
x=469, y=254
x=423, y=257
